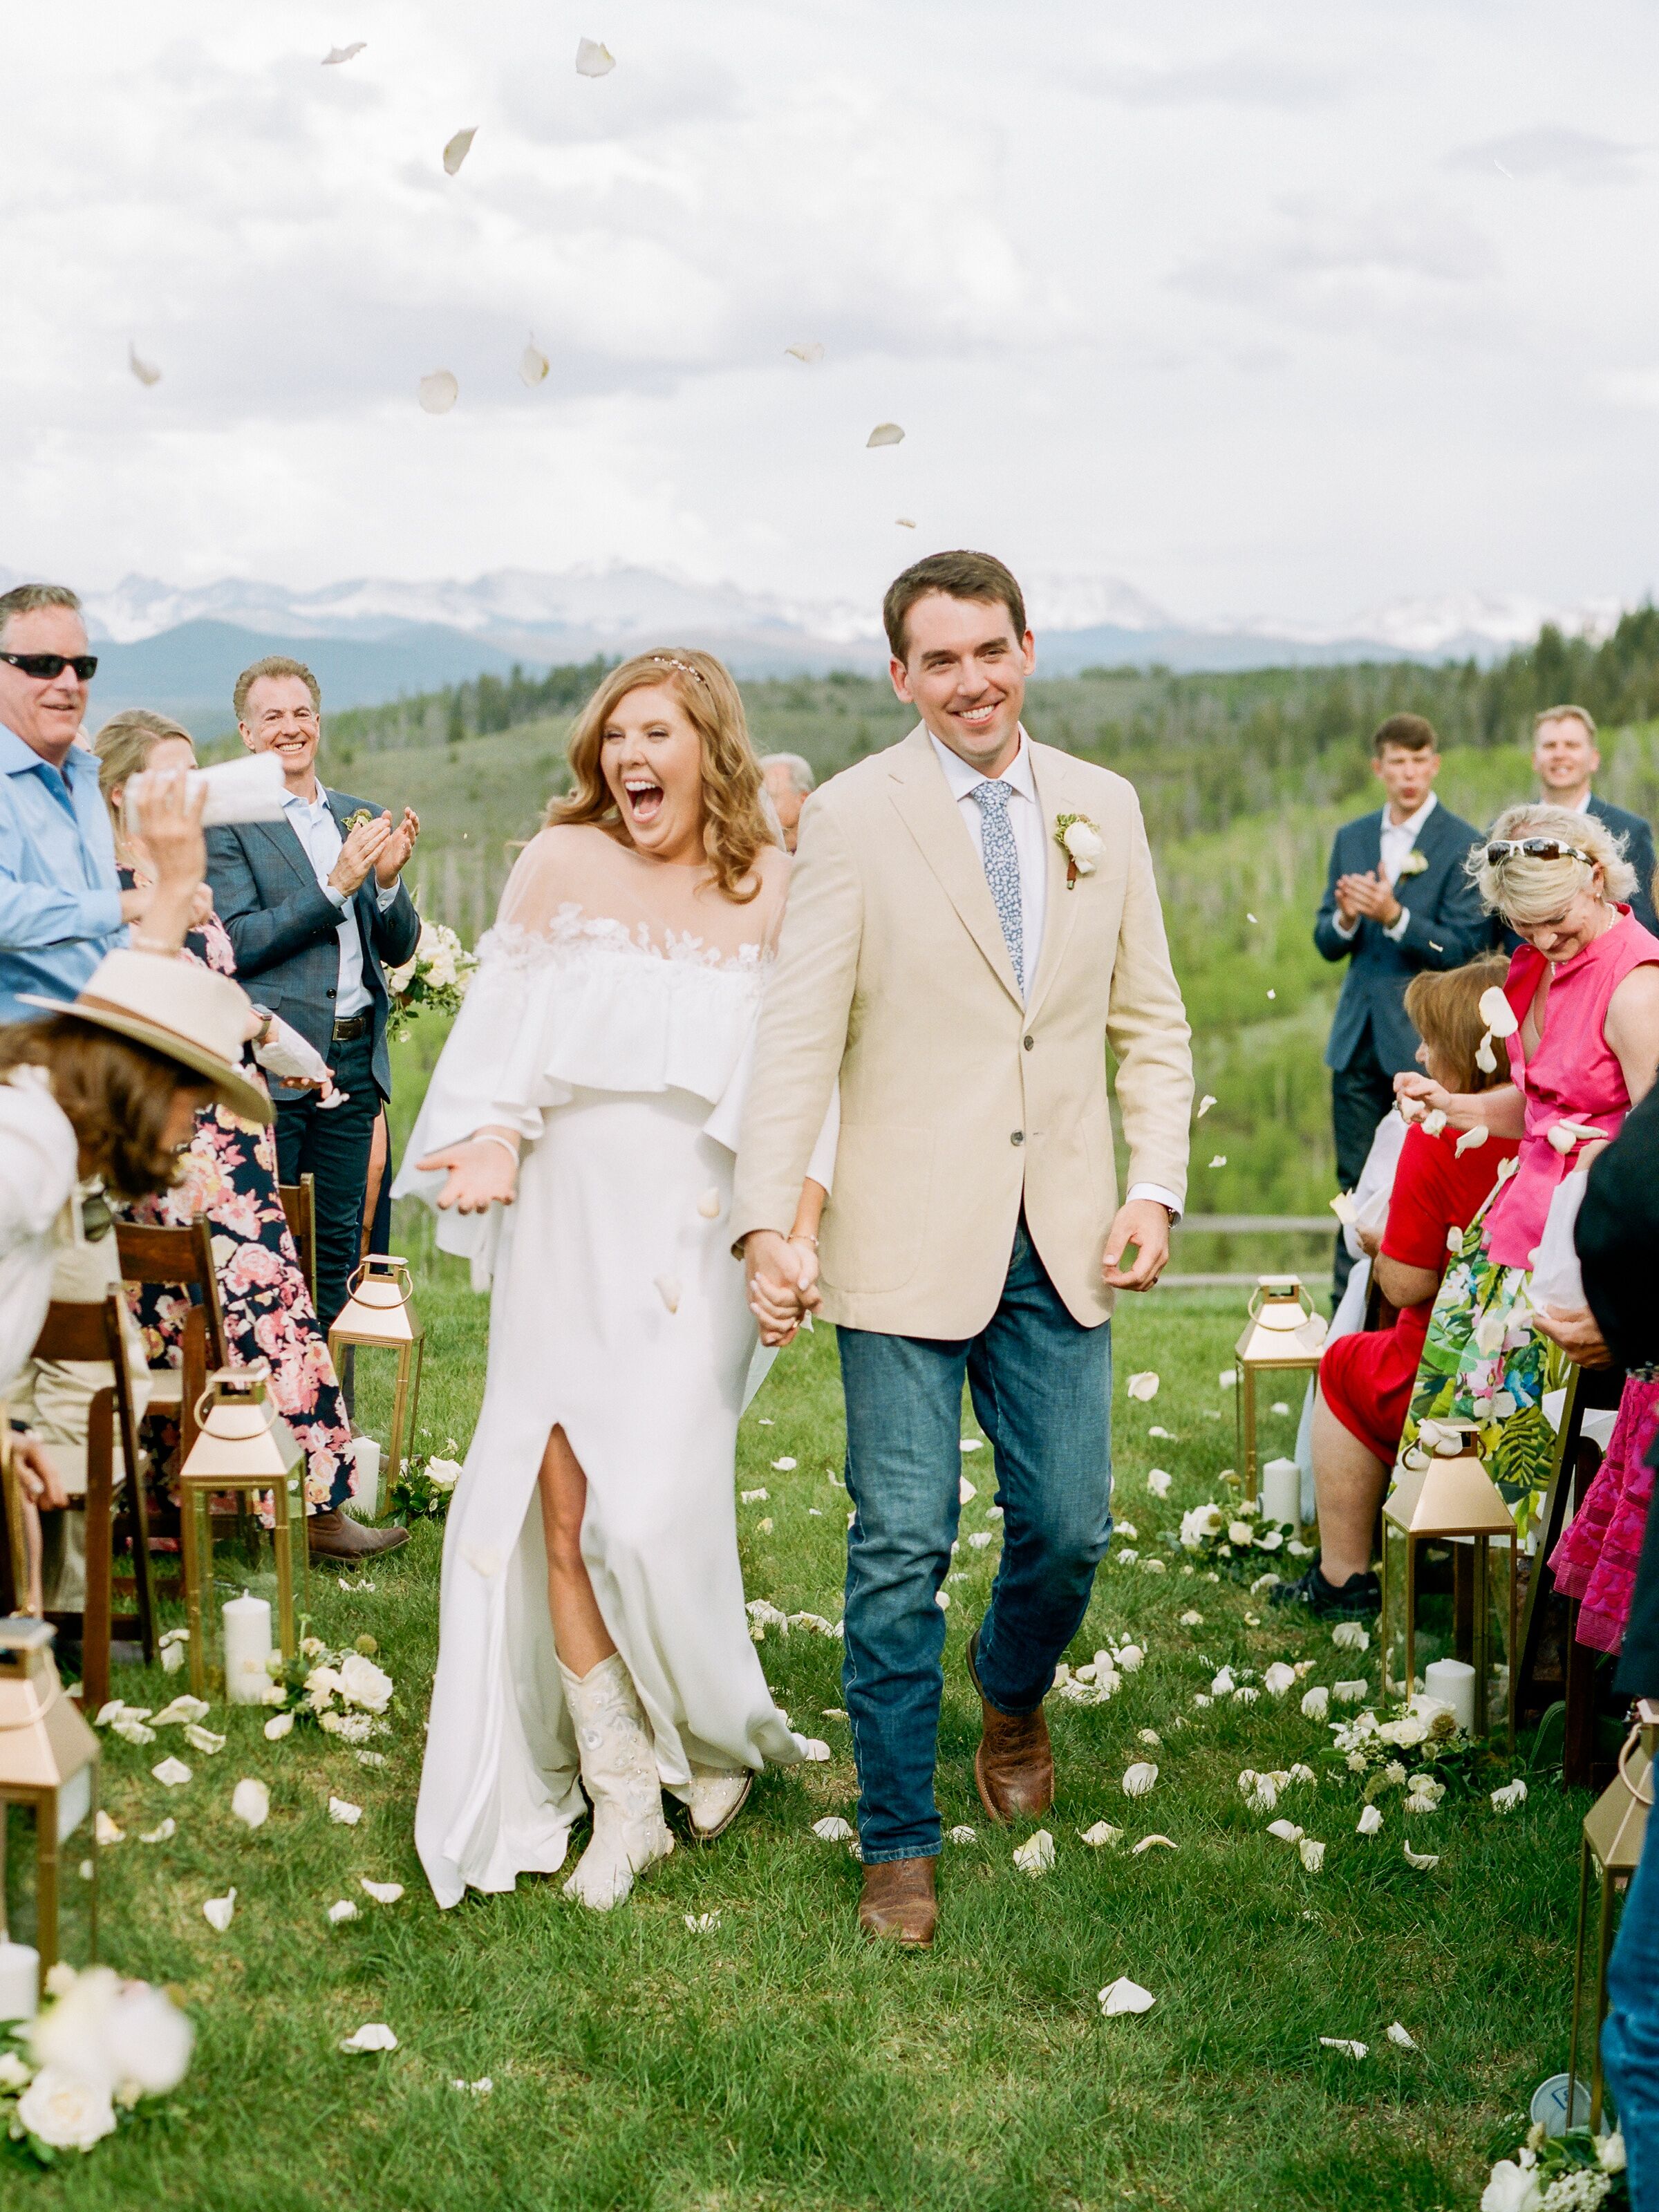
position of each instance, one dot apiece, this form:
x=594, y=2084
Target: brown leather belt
x=351, y=1026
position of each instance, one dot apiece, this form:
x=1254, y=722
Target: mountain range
x=370, y=639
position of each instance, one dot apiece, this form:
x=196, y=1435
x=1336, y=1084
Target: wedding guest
x=229, y=1175
x=1564, y=758
x=1397, y=901
x=789, y=784
x=1582, y=1006
x=316, y=912
x=61, y=907
x=1365, y=1379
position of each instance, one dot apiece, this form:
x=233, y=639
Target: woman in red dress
x=1365, y=1381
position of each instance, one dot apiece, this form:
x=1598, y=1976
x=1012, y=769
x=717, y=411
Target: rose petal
x=171, y=1773
x=383, y=1893
x=533, y=365
x=217, y=1911
x=810, y=350
x=1138, y=1779
x=593, y=59
x=457, y=149
x=1402, y=2036
x=341, y=1909
x=1124, y=1995
x=372, y=2035
x=833, y=1830
x=886, y=433
x=250, y=1802
x=344, y=1813
x=1368, y=1822
x=1037, y=1855
x=438, y=392
x=1101, y=1834
x=1341, y=2042
x=1143, y=1387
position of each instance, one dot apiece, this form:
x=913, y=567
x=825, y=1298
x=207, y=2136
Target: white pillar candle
x=366, y=1478
x=247, y=1643
x=1281, y=1490
x=1452, y=1680
x=20, y=1981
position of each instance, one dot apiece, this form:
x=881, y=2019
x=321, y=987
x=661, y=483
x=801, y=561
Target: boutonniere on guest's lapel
x=1081, y=841
x=357, y=817
x=1415, y=864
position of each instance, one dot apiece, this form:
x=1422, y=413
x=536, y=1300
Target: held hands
x=1369, y=895
x=482, y=1173
x=394, y=853
x=1144, y=1223
x=782, y=1277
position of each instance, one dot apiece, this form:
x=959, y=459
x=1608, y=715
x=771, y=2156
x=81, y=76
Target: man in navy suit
x=1397, y=900
x=316, y=914
x=1565, y=758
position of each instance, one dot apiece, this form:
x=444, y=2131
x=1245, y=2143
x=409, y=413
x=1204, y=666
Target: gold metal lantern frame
x=244, y=1449
x=49, y=1761
x=379, y=1315
x=1448, y=1499
x=1283, y=1335
x=1615, y=1829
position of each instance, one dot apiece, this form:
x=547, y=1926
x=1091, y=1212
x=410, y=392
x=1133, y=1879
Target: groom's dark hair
x=960, y=576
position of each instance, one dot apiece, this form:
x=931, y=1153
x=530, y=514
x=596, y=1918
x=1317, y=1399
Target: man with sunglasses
x=62, y=907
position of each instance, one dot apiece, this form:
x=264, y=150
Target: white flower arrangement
x=343, y=1693
x=99, y=2048
x=1575, y=2172
x=1231, y=1535
x=1425, y=1728
x=435, y=977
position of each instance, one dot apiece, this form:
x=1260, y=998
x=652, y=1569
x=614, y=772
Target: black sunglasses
x=49, y=666
x=1535, y=848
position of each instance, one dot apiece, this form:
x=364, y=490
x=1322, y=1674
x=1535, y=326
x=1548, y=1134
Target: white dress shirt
x=319, y=834
x=1398, y=840
x=1031, y=836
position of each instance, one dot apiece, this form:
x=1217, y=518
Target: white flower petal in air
x=904, y=521
x=341, y=1909
x=833, y=1830
x=1368, y=1822
x=439, y=391
x=1037, y=1855
x=1402, y=2035
x=164, y=1832
x=593, y=59
x=1434, y=1123
x=886, y=433
x=1124, y=1995
x=1341, y=2042
x=810, y=350
x=1158, y=1481
x=145, y=371
x=1485, y=1058
x=1497, y=1012
x=1204, y=1106
x=372, y=2035
x=1471, y=1140
x=344, y=1814
x=1421, y=1860
x=942, y=1600
x=337, y=54
x=1312, y=1853
x=171, y=1773
x=708, y=1206
x=1138, y=1779
x=278, y=1726
x=1154, y=1844
x=1143, y=1387
x=963, y=1835
x=218, y=1912
x=533, y=365
x=458, y=148
x=250, y=1802
x=1101, y=1835
x=1228, y=1378
x=668, y=1290
x=1512, y=1793
x=1351, y=1636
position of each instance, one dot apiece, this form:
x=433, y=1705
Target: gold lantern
x=48, y=1770
x=1615, y=1828
x=380, y=1313
x=245, y=1448
x=1444, y=1494
x=1282, y=1334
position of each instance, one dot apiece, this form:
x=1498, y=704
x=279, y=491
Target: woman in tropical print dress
x=230, y=1175
x=1579, y=1009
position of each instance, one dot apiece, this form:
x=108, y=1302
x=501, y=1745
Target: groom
x=963, y=975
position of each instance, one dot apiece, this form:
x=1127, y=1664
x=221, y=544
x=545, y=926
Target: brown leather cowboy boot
x=1014, y=1766
x=898, y=1902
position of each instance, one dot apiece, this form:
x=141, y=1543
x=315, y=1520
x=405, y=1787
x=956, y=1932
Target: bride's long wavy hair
x=735, y=826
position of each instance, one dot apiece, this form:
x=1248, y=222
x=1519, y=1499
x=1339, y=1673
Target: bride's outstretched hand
x=482, y=1173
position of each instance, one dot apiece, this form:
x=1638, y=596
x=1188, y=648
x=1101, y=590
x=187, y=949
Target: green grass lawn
x=780, y=2061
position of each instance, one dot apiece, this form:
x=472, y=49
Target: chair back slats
x=182, y=1257
x=300, y=1205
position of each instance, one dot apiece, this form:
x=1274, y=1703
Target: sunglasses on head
x=1535, y=848
x=49, y=666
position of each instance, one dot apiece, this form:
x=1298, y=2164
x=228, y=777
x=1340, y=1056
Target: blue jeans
x=1630, y=2038
x=1041, y=1387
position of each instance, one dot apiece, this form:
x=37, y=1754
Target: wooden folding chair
x=300, y=1205
x=15, y=1563
x=181, y=1259
x=91, y=1330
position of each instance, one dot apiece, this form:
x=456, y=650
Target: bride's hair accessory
x=668, y=660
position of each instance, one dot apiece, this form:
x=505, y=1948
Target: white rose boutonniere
x=1081, y=841
x=1415, y=864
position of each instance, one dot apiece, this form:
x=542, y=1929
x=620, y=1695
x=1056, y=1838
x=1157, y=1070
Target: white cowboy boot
x=619, y=1773
x=715, y=1800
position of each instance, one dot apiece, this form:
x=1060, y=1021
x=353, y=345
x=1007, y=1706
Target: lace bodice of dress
x=574, y=885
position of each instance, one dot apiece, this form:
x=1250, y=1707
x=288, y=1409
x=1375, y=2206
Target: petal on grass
x=218, y=1912
x=346, y=1814
x=171, y=1773
x=1124, y=1995
x=372, y=2035
x=1102, y=1834
x=383, y=1893
x=833, y=1829
x=1343, y=2043
x=342, y=1908
x=1037, y=1855
x=1402, y=2036
x=250, y=1802
x=1143, y=1387
x=1138, y=1779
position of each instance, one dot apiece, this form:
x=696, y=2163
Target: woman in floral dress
x=1580, y=1011
x=230, y=1175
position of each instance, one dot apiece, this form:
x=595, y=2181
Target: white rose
x=1512, y=2188
x=14, y=2074
x=440, y=968
x=148, y=2039
x=1239, y=1532
x=66, y=2112
x=364, y=1684
x=1083, y=846
x=397, y=980
x=68, y=2037
x=443, y=1474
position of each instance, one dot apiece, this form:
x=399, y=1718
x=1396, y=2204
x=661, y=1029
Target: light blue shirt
x=60, y=896
x=313, y=823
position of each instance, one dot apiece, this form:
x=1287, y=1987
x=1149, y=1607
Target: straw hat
x=178, y=1008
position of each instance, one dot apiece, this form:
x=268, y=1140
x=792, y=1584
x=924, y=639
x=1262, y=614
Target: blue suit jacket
x=1446, y=928
x=1639, y=851
x=285, y=930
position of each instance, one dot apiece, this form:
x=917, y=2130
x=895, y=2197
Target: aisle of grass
x=779, y=2062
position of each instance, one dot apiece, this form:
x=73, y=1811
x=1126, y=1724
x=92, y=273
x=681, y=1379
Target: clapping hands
x=1368, y=895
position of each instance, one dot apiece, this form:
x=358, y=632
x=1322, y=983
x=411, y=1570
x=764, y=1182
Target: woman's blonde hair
x=734, y=825
x=1443, y=1005
x=125, y=742
x=1527, y=890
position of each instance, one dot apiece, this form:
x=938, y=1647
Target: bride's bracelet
x=800, y=1237
x=490, y=1137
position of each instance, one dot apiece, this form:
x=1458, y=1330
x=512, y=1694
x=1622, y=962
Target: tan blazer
x=957, y=1103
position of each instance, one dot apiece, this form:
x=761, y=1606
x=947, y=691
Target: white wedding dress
x=609, y=1023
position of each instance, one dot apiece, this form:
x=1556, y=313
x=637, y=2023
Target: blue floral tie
x=1002, y=869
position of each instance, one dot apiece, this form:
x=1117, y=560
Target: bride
x=576, y=1141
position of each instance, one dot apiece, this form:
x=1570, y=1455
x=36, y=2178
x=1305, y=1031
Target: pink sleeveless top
x=1573, y=1077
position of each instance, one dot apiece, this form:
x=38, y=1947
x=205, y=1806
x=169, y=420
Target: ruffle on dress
x=1595, y=1559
